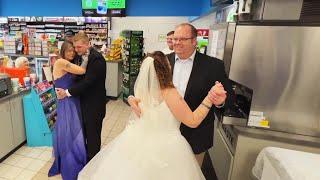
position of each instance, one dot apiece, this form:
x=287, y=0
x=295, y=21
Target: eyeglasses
x=181, y=39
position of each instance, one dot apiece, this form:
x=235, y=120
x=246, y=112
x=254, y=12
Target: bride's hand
x=217, y=94
x=134, y=104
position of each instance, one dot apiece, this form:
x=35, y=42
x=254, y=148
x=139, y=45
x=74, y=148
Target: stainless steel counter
x=269, y=134
x=236, y=148
x=238, y=125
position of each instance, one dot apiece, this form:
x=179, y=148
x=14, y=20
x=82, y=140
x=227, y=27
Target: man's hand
x=217, y=94
x=134, y=104
x=61, y=93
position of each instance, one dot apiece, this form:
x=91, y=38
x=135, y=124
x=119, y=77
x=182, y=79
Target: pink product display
x=42, y=86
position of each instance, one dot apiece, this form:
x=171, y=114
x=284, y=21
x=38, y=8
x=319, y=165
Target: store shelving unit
x=36, y=33
x=40, y=114
x=132, y=54
x=97, y=33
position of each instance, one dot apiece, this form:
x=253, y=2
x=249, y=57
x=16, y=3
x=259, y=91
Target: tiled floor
x=34, y=163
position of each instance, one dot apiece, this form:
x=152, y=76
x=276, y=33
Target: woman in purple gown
x=68, y=140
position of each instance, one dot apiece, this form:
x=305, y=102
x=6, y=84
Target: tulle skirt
x=139, y=155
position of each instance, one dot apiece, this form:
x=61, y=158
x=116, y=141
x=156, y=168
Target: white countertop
x=284, y=164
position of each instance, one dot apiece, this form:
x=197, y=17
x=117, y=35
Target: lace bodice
x=157, y=119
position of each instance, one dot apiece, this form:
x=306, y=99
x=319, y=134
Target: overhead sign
x=103, y=7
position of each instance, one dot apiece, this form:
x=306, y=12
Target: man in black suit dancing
x=193, y=76
x=91, y=90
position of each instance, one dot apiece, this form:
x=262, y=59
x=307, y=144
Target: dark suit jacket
x=205, y=72
x=91, y=88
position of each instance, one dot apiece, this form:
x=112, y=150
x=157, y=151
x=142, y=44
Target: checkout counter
x=12, y=129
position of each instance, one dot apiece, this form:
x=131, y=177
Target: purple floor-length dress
x=68, y=140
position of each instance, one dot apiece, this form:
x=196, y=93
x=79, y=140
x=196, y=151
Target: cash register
x=5, y=85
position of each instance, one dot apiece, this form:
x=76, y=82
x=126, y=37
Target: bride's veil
x=147, y=87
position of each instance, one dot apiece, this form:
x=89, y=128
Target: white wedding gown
x=150, y=148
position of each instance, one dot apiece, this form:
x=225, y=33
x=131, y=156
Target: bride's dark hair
x=163, y=69
x=65, y=46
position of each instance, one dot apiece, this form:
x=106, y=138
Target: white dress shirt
x=181, y=73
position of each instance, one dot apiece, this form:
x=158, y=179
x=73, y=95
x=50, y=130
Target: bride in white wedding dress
x=152, y=147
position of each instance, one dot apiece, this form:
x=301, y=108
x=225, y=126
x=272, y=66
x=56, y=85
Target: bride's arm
x=182, y=111
x=69, y=67
x=134, y=104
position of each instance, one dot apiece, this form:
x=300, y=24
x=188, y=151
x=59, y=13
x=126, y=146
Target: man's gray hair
x=192, y=28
